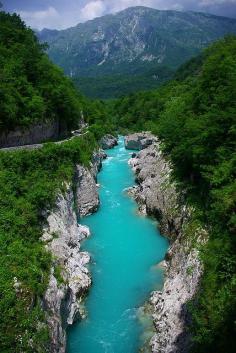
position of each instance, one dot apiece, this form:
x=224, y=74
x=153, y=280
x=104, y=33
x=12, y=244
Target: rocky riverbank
x=87, y=199
x=69, y=279
x=156, y=195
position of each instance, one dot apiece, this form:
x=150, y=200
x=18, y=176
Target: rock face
x=170, y=315
x=108, y=141
x=37, y=133
x=63, y=296
x=139, y=141
x=87, y=198
x=139, y=47
x=157, y=195
x=135, y=38
x=88, y=202
x=70, y=278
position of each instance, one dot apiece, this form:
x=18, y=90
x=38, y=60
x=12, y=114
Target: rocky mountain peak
x=133, y=42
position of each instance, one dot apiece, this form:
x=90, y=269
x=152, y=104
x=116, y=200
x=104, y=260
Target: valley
x=117, y=208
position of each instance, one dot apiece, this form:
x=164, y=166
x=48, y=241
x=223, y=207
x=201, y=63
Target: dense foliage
x=29, y=183
x=195, y=116
x=31, y=88
x=114, y=86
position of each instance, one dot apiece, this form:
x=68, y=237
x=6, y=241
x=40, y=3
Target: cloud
x=216, y=2
x=41, y=19
x=57, y=18
x=218, y=7
x=60, y=14
x=93, y=9
x=115, y=6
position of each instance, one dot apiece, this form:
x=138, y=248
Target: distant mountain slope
x=110, y=86
x=133, y=41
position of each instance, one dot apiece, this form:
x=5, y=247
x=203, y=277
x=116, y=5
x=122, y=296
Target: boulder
x=139, y=141
x=108, y=141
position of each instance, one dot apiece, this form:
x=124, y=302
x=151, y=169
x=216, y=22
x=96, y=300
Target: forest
x=195, y=118
x=33, y=89
x=118, y=85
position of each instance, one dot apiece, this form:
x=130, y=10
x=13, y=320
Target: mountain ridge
x=206, y=14
x=133, y=41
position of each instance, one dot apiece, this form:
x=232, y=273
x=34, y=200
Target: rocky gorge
x=157, y=195
x=70, y=278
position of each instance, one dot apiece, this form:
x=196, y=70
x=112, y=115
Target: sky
x=60, y=14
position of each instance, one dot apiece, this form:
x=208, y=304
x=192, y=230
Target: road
x=39, y=145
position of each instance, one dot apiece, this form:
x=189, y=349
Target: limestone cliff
x=87, y=199
x=34, y=134
x=69, y=278
x=156, y=195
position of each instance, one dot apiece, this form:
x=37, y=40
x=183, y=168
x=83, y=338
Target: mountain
x=134, y=41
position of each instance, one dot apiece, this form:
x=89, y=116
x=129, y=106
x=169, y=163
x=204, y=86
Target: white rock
x=65, y=246
x=157, y=196
x=139, y=141
x=87, y=198
x=108, y=141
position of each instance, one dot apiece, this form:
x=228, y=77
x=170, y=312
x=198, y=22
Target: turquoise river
x=125, y=249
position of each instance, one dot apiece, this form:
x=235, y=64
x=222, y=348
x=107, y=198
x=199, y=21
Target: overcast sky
x=66, y=13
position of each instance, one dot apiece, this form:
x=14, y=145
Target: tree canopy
x=31, y=87
x=195, y=117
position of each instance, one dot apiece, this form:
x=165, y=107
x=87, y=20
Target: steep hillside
x=195, y=118
x=133, y=42
x=34, y=91
x=114, y=86
x=38, y=102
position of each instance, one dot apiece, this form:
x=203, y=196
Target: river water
x=125, y=249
